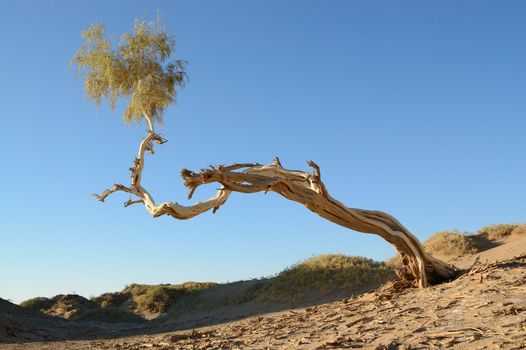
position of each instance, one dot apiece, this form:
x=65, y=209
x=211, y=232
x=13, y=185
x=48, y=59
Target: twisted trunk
x=306, y=188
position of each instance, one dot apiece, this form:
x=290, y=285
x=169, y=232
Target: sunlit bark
x=306, y=188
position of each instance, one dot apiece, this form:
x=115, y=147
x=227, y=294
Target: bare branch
x=299, y=186
x=115, y=188
x=131, y=202
x=315, y=169
x=236, y=166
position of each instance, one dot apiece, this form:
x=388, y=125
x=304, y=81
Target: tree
x=136, y=70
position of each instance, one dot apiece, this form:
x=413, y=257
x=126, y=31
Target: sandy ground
x=483, y=309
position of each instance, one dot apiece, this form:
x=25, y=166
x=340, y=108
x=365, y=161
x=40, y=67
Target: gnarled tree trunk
x=306, y=188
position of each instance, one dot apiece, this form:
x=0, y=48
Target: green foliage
x=136, y=69
x=451, y=243
x=37, y=304
x=323, y=274
x=496, y=232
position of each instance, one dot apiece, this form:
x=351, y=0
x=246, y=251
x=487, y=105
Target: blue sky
x=410, y=107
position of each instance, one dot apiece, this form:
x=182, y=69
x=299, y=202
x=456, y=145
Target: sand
x=485, y=308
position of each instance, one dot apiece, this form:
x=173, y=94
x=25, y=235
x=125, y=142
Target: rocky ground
x=483, y=309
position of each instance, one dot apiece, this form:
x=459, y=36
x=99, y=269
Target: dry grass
x=159, y=298
x=305, y=280
x=497, y=232
x=78, y=308
x=456, y=244
x=519, y=230
x=323, y=274
x=451, y=243
x=37, y=304
x=112, y=299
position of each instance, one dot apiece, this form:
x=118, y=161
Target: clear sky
x=416, y=108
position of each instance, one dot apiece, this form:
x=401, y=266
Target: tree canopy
x=138, y=68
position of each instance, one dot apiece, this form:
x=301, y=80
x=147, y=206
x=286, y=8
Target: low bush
x=111, y=299
x=497, y=232
x=451, y=243
x=519, y=230
x=159, y=298
x=323, y=274
x=37, y=304
x=156, y=299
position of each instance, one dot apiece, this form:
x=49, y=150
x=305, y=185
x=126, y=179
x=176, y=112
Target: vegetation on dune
x=108, y=300
x=497, y=232
x=446, y=243
x=455, y=243
x=129, y=305
x=519, y=230
x=37, y=304
x=451, y=243
x=322, y=274
x=158, y=299
x=304, y=281
x=142, y=298
x=69, y=306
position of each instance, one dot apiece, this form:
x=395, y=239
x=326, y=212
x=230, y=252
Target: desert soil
x=483, y=309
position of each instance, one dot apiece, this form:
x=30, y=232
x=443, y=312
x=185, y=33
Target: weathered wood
x=306, y=188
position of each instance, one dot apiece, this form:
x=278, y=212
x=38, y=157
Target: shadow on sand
x=19, y=325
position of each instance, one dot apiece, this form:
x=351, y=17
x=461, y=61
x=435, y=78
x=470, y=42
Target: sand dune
x=485, y=308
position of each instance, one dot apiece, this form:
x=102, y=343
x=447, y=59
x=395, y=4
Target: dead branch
x=420, y=268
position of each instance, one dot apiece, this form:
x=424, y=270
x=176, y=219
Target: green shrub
x=37, y=304
x=496, y=232
x=451, y=243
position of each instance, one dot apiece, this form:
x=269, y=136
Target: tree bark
x=420, y=268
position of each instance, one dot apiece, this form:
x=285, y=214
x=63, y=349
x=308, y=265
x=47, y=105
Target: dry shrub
x=497, y=232
x=114, y=300
x=323, y=274
x=159, y=298
x=37, y=304
x=70, y=305
x=451, y=243
x=156, y=299
x=519, y=230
